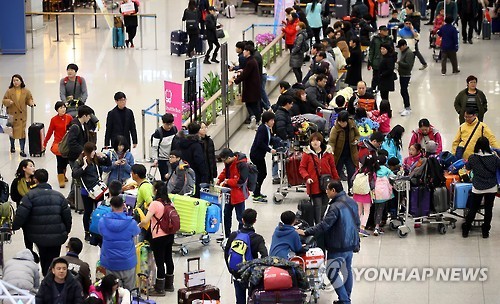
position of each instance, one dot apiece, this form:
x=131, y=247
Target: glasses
x=472, y=81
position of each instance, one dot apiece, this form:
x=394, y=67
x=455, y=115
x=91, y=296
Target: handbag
x=324, y=179
x=220, y=33
x=98, y=190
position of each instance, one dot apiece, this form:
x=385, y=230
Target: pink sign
x=173, y=101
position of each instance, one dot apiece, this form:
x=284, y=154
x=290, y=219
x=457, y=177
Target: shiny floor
x=140, y=72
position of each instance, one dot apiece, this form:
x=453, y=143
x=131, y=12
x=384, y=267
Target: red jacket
x=290, y=30
x=237, y=178
x=434, y=135
x=57, y=126
x=324, y=165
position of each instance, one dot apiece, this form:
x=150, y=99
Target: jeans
x=341, y=262
x=241, y=292
x=346, y=160
x=254, y=110
x=228, y=216
x=419, y=55
x=47, y=254
x=22, y=143
x=453, y=58
x=404, y=82
x=489, y=198
x=265, y=103
x=162, y=251
x=89, y=205
x=423, y=8
x=260, y=163
x=467, y=20
x=71, y=194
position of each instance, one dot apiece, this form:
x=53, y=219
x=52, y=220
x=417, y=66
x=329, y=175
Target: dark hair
x=84, y=110
x=360, y=113
x=250, y=48
x=225, y=153
x=343, y=116
x=249, y=216
x=119, y=95
x=314, y=2
x=161, y=192
x=140, y=170
x=250, y=42
x=329, y=30
x=41, y=175
x=121, y=140
x=393, y=161
x=18, y=77
x=23, y=164
x=322, y=68
x=75, y=245
x=470, y=78
x=241, y=44
x=317, y=136
x=289, y=10
x=377, y=136
x=285, y=99
x=115, y=188
x=320, y=77
x=194, y=127
x=482, y=144
x=369, y=164
x=288, y=217
x=88, y=148
x=59, y=104
x=335, y=185
x=385, y=107
x=448, y=20
x=192, y=5
x=116, y=202
x=284, y=84
x=394, y=12
x=92, y=300
x=381, y=160
x=298, y=94
x=167, y=118
x=340, y=101
x=72, y=66
x=322, y=54
x=356, y=40
x=407, y=20
x=424, y=122
x=396, y=135
x=383, y=152
x=106, y=286
x=471, y=111
x=417, y=146
x=58, y=260
x=411, y=6
x=176, y=153
x=388, y=47
x=267, y=116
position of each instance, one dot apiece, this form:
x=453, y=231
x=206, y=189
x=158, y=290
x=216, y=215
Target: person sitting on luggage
x=415, y=154
x=108, y=290
x=79, y=268
x=251, y=245
x=181, y=178
x=286, y=241
x=21, y=271
x=59, y=286
x=360, y=93
x=234, y=176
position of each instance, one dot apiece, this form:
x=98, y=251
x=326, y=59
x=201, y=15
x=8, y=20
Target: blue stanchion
x=152, y=114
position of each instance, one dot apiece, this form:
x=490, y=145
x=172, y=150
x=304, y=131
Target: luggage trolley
x=398, y=222
x=218, y=196
x=284, y=187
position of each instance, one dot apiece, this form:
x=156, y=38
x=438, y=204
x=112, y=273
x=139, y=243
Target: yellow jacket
x=465, y=131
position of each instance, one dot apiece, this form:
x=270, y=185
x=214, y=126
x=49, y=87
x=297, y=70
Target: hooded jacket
x=311, y=164
x=118, y=250
x=418, y=137
x=192, y=152
x=285, y=240
x=236, y=174
x=374, y=55
x=182, y=179
x=48, y=293
x=21, y=271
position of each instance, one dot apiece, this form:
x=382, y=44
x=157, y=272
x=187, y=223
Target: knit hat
x=431, y=147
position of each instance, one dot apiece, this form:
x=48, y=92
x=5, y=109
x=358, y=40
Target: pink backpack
x=383, y=189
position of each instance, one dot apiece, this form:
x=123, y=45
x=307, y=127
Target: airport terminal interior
x=139, y=72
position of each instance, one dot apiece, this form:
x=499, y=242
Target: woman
x=471, y=97
x=15, y=100
x=161, y=244
x=300, y=46
x=317, y=160
x=131, y=23
x=341, y=42
x=425, y=133
x=386, y=71
x=88, y=172
x=58, y=125
x=109, y=291
x=290, y=27
x=393, y=143
x=343, y=140
x=211, y=34
x=191, y=16
x=484, y=164
x=209, y=150
x=354, y=63
x=313, y=13
x=121, y=161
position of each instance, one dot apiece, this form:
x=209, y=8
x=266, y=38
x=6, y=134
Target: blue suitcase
x=118, y=38
x=178, y=42
x=461, y=194
x=213, y=218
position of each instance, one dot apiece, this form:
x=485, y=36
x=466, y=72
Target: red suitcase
x=289, y=296
x=206, y=292
x=292, y=169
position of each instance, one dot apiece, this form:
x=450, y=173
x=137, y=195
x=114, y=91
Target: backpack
x=333, y=119
x=6, y=214
x=435, y=173
x=169, y=222
x=240, y=251
x=78, y=78
x=4, y=191
x=361, y=184
x=446, y=158
x=96, y=216
x=383, y=189
x=457, y=165
x=191, y=20
x=63, y=146
x=189, y=181
x=252, y=177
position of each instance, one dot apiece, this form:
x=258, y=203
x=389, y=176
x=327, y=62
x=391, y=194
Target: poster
x=279, y=12
x=173, y=101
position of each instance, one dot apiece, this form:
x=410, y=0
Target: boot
x=169, y=283
x=214, y=59
x=159, y=290
x=60, y=179
x=485, y=229
x=207, y=60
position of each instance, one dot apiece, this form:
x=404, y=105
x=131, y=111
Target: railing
x=73, y=14
x=252, y=28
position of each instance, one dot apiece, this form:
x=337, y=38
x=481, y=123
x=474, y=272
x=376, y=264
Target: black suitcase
x=36, y=136
x=306, y=211
x=200, y=46
x=341, y=8
x=486, y=29
x=178, y=42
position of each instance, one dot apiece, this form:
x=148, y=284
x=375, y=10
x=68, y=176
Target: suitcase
x=384, y=10
x=440, y=199
x=188, y=295
x=292, y=169
x=495, y=25
x=137, y=299
x=230, y=11
x=420, y=201
x=200, y=46
x=130, y=201
x=306, y=211
x=486, y=34
x=341, y=8
x=178, y=42
x=118, y=38
x=145, y=264
x=78, y=201
x=213, y=219
x=461, y=193
x=36, y=136
x=325, y=113
x=450, y=179
x=289, y=296
x=192, y=213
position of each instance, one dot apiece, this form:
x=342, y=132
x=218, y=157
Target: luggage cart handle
x=193, y=259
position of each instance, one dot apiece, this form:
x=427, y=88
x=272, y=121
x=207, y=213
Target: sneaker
x=206, y=61
x=405, y=112
x=276, y=181
x=401, y=111
x=470, y=41
x=464, y=41
x=12, y=150
x=423, y=67
x=264, y=196
x=363, y=233
x=349, y=193
x=259, y=199
x=376, y=232
x=22, y=154
x=253, y=123
x=443, y=74
x=215, y=60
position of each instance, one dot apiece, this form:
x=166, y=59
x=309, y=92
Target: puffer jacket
x=209, y=149
x=191, y=149
x=44, y=215
x=22, y=271
x=181, y=179
x=48, y=293
x=236, y=174
x=339, y=226
x=337, y=141
x=311, y=164
x=283, y=124
x=120, y=173
x=296, y=54
x=418, y=137
x=118, y=250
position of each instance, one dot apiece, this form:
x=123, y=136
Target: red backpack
x=169, y=222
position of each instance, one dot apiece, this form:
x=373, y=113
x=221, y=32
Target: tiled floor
x=139, y=73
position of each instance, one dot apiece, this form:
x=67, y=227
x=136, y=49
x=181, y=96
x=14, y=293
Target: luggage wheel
x=403, y=231
x=394, y=224
x=442, y=228
x=278, y=197
x=205, y=239
x=184, y=251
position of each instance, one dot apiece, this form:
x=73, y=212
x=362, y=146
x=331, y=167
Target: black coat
x=316, y=98
x=209, y=148
x=71, y=294
x=211, y=27
x=131, y=20
x=90, y=175
x=115, y=126
x=250, y=77
x=283, y=124
x=44, y=215
x=192, y=152
x=77, y=137
x=261, y=143
x=355, y=61
x=386, y=73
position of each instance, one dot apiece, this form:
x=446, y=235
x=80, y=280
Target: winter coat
x=122, y=172
x=296, y=54
x=290, y=30
x=257, y=243
x=131, y=20
x=485, y=168
x=339, y=226
x=211, y=27
x=383, y=120
x=91, y=175
x=209, y=149
x=314, y=15
x=285, y=240
x=250, y=77
x=191, y=149
x=406, y=62
x=181, y=180
x=22, y=271
x=354, y=63
x=338, y=137
x=463, y=12
x=311, y=164
x=353, y=101
x=461, y=102
x=18, y=110
x=451, y=9
x=115, y=126
x=283, y=124
x=81, y=268
x=58, y=126
x=191, y=17
x=374, y=55
x=386, y=72
x=118, y=250
x=77, y=137
x=418, y=137
x=44, y=215
x=236, y=174
x=316, y=98
x=390, y=146
x=48, y=293
x=465, y=131
x=359, y=10
x=410, y=162
x=162, y=142
x=449, y=35
x=261, y=143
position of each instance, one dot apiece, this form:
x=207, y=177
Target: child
x=393, y=142
x=365, y=125
x=415, y=153
x=381, y=172
x=394, y=17
x=382, y=116
x=364, y=201
x=181, y=178
x=286, y=241
x=393, y=25
x=21, y=271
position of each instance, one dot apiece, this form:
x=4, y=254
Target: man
x=240, y=45
x=449, y=45
x=120, y=121
x=59, y=286
x=361, y=93
x=370, y=146
x=162, y=142
x=144, y=187
x=451, y=9
x=77, y=266
x=264, y=103
x=118, y=250
x=374, y=55
x=414, y=18
x=315, y=50
x=404, y=66
x=469, y=132
x=283, y=128
x=45, y=217
x=73, y=87
x=359, y=9
x=250, y=77
x=340, y=228
x=316, y=95
x=468, y=10
x=256, y=245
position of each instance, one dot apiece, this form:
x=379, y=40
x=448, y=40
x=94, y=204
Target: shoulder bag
x=324, y=179
x=98, y=190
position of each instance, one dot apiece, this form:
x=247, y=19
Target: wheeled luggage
x=36, y=136
x=189, y=295
x=230, y=11
x=420, y=201
x=289, y=296
x=136, y=293
x=178, y=42
x=341, y=8
x=486, y=33
x=213, y=218
x=384, y=9
x=292, y=169
x=461, y=192
x=192, y=213
x=145, y=263
x=450, y=179
x=118, y=38
x=200, y=46
x=495, y=25
x=440, y=199
x=306, y=211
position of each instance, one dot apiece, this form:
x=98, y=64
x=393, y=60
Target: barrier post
x=156, y=35
x=140, y=28
x=224, y=92
x=57, y=29
x=74, y=46
x=143, y=114
x=32, y=30
x=157, y=112
x=95, y=16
